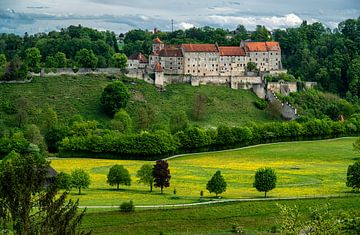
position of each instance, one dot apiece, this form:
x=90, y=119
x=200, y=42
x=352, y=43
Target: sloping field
x=303, y=169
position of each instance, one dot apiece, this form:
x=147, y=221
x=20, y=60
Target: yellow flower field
x=303, y=169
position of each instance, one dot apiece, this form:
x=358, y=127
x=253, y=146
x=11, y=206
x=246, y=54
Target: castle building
x=207, y=60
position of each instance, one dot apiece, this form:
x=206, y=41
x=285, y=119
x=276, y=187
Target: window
x=170, y=67
x=188, y=71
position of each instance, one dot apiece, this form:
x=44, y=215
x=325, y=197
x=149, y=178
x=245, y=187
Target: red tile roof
x=262, y=46
x=171, y=52
x=158, y=67
x=273, y=46
x=199, y=47
x=138, y=56
x=232, y=51
x=157, y=40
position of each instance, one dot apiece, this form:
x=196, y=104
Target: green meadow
x=304, y=169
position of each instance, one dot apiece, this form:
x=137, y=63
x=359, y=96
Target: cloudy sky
x=19, y=16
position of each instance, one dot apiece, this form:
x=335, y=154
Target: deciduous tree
x=216, y=184
x=86, y=58
x=265, y=180
x=145, y=175
x=353, y=176
x=161, y=174
x=80, y=179
x=114, y=97
x=118, y=175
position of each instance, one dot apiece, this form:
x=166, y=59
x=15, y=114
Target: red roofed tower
x=158, y=45
x=159, y=75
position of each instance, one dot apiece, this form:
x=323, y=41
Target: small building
x=137, y=61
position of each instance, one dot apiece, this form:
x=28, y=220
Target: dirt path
x=216, y=201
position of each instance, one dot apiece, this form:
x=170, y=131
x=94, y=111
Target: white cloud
x=185, y=25
x=289, y=20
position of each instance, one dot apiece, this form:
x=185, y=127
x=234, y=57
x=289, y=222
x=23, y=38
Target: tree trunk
x=150, y=187
x=79, y=190
x=161, y=189
x=117, y=185
x=265, y=193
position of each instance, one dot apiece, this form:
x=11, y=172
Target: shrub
x=261, y=104
x=127, y=207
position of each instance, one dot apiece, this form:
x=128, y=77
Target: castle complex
x=202, y=60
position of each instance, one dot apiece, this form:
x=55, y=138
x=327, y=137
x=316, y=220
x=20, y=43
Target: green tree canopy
x=63, y=181
x=80, y=179
x=145, y=175
x=353, y=176
x=216, y=184
x=118, y=175
x=178, y=122
x=2, y=60
x=120, y=61
x=32, y=59
x=86, y=58
x=114, y=97
x=121, y=122
x=23, y=179
x=265, y=180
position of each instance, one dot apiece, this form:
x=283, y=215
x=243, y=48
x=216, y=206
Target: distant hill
x=81, y=95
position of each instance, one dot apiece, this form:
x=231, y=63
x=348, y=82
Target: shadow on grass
x=133, y=191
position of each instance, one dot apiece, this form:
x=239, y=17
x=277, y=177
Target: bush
x=127, y=207
x=261, y=104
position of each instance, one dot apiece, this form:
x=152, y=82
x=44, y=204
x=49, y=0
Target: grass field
x=81, y=95
x=303, y=169
x=253, y=217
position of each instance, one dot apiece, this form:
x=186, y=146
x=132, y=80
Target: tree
x=251, y=66
x=261, y=34
x=23, y=179
x=216, y=184
x=80, y=179
x=353, y=176
x=86, y=58
x=121, y=122
x=16, y=70
x=118, y=175
x=60, y=60
x=22, y=107
x=114, y=97
x=145, y=175
x=32, y=59
x=63, y=181
x=178, y=122
x=2, y=60
x=161, y=174
x=199, y=106
x=33, y=135
x=265, y=180
x=120, y=61
x=50, y=118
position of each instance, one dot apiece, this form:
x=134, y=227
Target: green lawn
x=303, y=169
x=81, y=95
x=253, y=217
